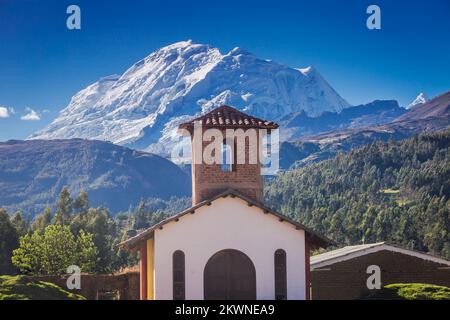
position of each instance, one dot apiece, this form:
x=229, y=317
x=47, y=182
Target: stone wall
x=123, y=286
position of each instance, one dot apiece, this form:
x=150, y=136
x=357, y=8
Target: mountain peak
x=179, y=44
x=143, y=107
x=183, y=49
x=420, y=99
x=437, y=107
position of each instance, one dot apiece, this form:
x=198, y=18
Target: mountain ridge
x=437, y=107
x=33, y=173
x=374, y=113
x=431, y=116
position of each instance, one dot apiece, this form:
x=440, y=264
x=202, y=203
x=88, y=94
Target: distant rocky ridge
x=377, y=112
x=433, y=115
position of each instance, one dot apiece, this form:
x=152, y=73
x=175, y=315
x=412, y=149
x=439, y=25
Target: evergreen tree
x=64, y=207
x=9, y=240
x=397, y=192
x=98, y=223
x=21, y=225
x=81, y=204
x=42, y=220
x=141, y=216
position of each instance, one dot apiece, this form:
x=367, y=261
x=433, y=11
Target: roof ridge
x=320, y=240
x=365, y=245
x=227, y=116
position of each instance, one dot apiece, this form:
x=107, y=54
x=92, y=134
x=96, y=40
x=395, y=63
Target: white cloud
x=4, y=112
x=31, y=115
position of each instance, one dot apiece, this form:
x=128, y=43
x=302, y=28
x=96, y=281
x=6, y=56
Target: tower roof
x=228, y=117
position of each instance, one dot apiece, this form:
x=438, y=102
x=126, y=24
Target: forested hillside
x=396, y=191
x=33, y=174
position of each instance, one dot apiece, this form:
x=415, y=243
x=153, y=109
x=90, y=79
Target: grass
x=23, y=288
x=411, y=291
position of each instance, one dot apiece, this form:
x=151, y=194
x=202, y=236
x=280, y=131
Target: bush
x=51, y=251
x=411, y=291
x=23, y=288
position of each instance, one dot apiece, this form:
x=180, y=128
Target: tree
x=81, y=204
x=50, y=252
x=8, y=242
x=102, y=227
x=397, y=191
x=141, y=216
x=21, y=225
x=42, y=220
x=64, y=207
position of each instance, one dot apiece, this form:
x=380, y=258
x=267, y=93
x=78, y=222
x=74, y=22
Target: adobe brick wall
x=347, y=280
x=92, y=285
x=209, y=180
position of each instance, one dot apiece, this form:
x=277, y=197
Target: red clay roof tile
x=229, y=117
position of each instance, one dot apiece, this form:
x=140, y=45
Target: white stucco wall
x=229, y=223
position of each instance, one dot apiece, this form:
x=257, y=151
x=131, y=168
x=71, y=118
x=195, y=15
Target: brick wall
x=208, y=179
x=347, y=280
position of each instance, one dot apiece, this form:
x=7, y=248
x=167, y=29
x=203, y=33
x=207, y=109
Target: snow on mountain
x=420, y=99
x=142, y=107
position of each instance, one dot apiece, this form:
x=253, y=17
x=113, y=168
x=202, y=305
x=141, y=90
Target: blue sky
x=42, y=63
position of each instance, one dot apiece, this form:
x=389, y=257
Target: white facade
x=229, y=223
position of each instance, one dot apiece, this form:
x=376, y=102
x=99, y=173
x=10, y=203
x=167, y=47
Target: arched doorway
x=229, y=275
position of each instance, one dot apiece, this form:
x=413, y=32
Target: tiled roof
x=351, y=252
x=316, y=240
x=228, y=117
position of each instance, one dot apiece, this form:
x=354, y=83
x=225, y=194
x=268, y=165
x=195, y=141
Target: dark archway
x=229, y=275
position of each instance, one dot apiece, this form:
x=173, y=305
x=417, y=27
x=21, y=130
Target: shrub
x=411, y=291
x=50, y=252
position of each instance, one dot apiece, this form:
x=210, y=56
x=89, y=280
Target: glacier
x=142, y=107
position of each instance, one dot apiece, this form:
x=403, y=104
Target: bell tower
x=226, y=153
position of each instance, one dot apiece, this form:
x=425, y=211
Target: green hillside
x=396, y=191
x=22, y=288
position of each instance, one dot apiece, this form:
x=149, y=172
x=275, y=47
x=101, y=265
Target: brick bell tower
x=238, y=170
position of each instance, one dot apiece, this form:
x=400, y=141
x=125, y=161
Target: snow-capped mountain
x=420, y=99
x=142, y=107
